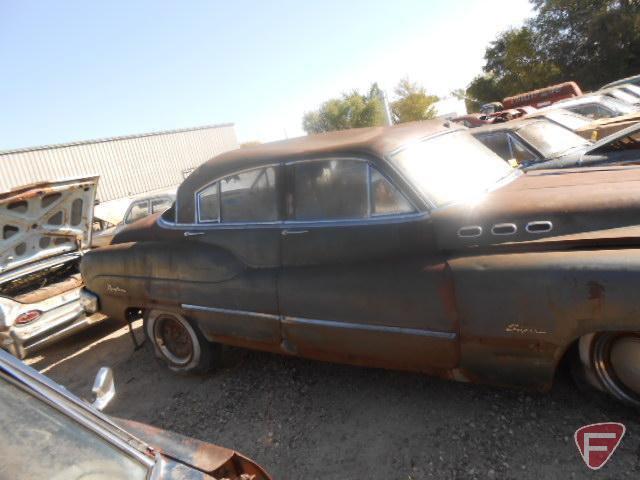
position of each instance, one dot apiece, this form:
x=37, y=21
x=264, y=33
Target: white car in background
x=111, y=217
x=596, y=106
x=45, y=229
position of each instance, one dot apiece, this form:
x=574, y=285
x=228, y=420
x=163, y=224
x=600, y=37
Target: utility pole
x=387, y=109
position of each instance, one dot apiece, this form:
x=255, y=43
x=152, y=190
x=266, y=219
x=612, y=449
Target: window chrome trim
x=370, y=327
x=196, y=194
x=374, y=220
x=370, y=167
x=370, y=219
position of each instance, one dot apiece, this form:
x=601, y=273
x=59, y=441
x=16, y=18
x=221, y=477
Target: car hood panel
x=45, y=220
x=580, y=204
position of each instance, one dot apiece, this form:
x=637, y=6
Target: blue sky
x=74, y=70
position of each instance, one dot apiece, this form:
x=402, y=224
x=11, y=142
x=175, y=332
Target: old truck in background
x=408, y=247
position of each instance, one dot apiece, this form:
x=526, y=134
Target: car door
x=237, y=230
x=361, y=279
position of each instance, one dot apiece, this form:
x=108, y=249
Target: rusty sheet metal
x=209, y=458
x=45, y=220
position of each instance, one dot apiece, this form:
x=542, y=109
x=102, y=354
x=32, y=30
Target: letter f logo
x=597, y=442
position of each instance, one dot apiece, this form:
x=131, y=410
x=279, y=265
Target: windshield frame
x=430, y=203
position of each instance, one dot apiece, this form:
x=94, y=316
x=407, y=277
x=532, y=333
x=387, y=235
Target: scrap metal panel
x=126, y=165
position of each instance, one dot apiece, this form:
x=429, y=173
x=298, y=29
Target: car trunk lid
x=45, y=220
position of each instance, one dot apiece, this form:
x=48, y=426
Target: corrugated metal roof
x=111, y=139
x=127, y=165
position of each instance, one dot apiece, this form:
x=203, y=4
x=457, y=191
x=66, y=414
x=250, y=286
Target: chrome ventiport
x=470, y=232
x=539, y=227
x=504, y=229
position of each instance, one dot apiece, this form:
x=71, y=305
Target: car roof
x=375, y=142
x=631, y=79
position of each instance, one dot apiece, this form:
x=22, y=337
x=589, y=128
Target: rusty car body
x=543, y=97
x=409, y=247
x=539, y=144
x=598, y=129
x=45, y=229
x=75, y=440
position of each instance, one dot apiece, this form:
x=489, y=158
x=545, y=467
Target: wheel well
x=563, y=366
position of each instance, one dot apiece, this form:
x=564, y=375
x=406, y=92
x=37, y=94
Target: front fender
x=519, y=312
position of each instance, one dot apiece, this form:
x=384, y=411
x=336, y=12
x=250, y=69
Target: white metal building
x=127, y=165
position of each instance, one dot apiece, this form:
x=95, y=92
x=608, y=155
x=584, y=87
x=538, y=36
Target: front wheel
x=179, y=344
x=613, y=361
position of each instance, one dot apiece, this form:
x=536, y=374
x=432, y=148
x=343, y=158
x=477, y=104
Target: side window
x=329, y=190
x=160, y=204
x=521, y=153
x=209, y=203
x=138, y=210
x=498, y=142
x=340, y=189
x=385, y=198
x=249, y=196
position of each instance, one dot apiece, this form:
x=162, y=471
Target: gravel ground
x=309, y=420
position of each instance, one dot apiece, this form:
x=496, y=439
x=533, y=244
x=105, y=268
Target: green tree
x=412, y=103
x=589, y=41
x=351, y=110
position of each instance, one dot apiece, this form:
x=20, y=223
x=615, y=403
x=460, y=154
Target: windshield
x=550, y=139
x=620, y=107
x=451, y=167
x=568, y=119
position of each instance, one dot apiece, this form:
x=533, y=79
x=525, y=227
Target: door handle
x=192, y=234
x=294, y=232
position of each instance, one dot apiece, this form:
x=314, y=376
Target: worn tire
x=178, y=343
x=611, y=362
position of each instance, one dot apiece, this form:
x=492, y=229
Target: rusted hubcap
x=173, y=339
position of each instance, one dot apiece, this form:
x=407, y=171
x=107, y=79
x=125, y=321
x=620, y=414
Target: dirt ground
x=308, y=420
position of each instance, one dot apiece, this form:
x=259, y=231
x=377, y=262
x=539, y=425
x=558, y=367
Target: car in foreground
x=57, y=436
x=410, y=247
x=46, y=228
x=111, y=217
x=539, y=144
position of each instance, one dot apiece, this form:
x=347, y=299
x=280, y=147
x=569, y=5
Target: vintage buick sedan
x=409, y=247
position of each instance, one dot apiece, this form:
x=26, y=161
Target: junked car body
x=45, y=230
x=57, y=436
x=538, y=144
x=633, y=80
x=408, y=247
x=596, y=106
x=113, y=216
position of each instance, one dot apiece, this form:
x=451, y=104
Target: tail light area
x=27, y=317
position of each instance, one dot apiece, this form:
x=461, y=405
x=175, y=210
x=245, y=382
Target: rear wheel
x=177, y=343
x=613, y=361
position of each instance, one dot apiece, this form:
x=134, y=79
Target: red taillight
x=28, y=317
